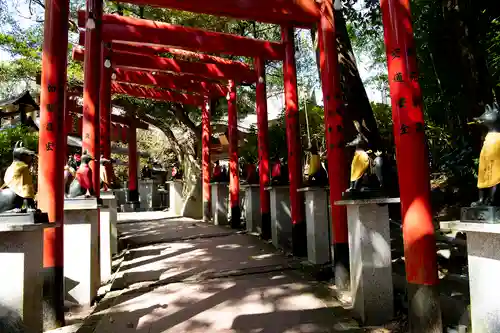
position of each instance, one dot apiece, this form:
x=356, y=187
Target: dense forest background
x=458, y=49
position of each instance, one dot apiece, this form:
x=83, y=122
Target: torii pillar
x=205, y=148
x=263, y=147
x=413, y=169
x=91, y=83
x=234, y=175
x=133, y=184
x=334, y=124
x=299, y=232
x=105, y=104
x=50, y=156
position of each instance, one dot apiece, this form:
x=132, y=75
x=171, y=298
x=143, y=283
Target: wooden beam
x=123, y=28
x=136, y=61
x=298, y=12
x=157, y=50
x=162, y=95
x=116, y=119
x=170, y=81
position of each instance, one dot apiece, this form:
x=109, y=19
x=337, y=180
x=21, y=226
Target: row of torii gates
x=121, y=56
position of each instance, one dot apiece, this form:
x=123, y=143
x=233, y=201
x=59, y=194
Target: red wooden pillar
x=105, y=106
x=133, y=189
x=234, y=179
x=333, y=108
x=299, y=232
x=92, y=77
x=50, y=154
x=263, y=148
x=413, y=168
x=205, y=147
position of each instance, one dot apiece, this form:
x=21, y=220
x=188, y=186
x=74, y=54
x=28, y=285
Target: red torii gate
x=414, y=178
x=222, y=70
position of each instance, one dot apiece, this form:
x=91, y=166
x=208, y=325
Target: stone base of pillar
x=81, y=250
x=220, y=198
x=370, y=259
x=175, y=195
x=111, y=202
x=149, y=196
x=281, y=218
x=318, y=232
x=252, y=208
x=483, y=244
x=207, y=211
x=21, y=255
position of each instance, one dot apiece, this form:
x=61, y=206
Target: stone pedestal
x=120, y=197
x=81, y=250
x=220, y=200
x=21, y=257
x=148, y=194
x=281, y=217
x=370, y=259
x=108, y=233
x=483, y=250
x=318, y=226
x=175, y=194
x=251, y=206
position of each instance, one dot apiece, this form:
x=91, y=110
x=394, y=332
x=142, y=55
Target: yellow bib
x=314, y=164
x=489, y=162
x=360, y=164
x=18, y=178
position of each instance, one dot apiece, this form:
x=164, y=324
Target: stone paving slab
x=268, y=303
x=198, y=258
x=167, y=230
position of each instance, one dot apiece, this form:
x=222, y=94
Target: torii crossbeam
x=122, y=28
x=136, y=61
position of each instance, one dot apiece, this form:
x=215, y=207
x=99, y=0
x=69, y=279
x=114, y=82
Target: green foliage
x=9, y=136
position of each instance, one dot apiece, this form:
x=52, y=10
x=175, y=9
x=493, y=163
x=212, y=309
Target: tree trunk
x=358, y=108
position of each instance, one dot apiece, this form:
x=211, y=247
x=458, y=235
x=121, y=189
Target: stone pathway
x=182, y=275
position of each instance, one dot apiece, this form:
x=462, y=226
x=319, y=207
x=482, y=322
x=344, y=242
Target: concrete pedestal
x=81, y=250
x=318, y=226
x=251, y=206
x=281, y=217
x=21, y=257
x=148, y=194
x=120, y=195
x=108, y=233
x=370, y=259
x=220, y=199
x=175, y=194
x=483, y=250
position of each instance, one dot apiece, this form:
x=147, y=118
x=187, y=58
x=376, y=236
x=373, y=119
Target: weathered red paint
x=162, y=95
x=115, y=132
x=292, y=125
x=232, y=123
x=115, y=119
x=50, y=146
x=170, y=81
x=123, y=28
x=50, y=155
x=333, y=108
x=92, y=76
x=128, y=60
x=105, y=104
x=263, y=135
x=205, y=142
x=411, y=150
x=300, y=12
x=158, y=50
